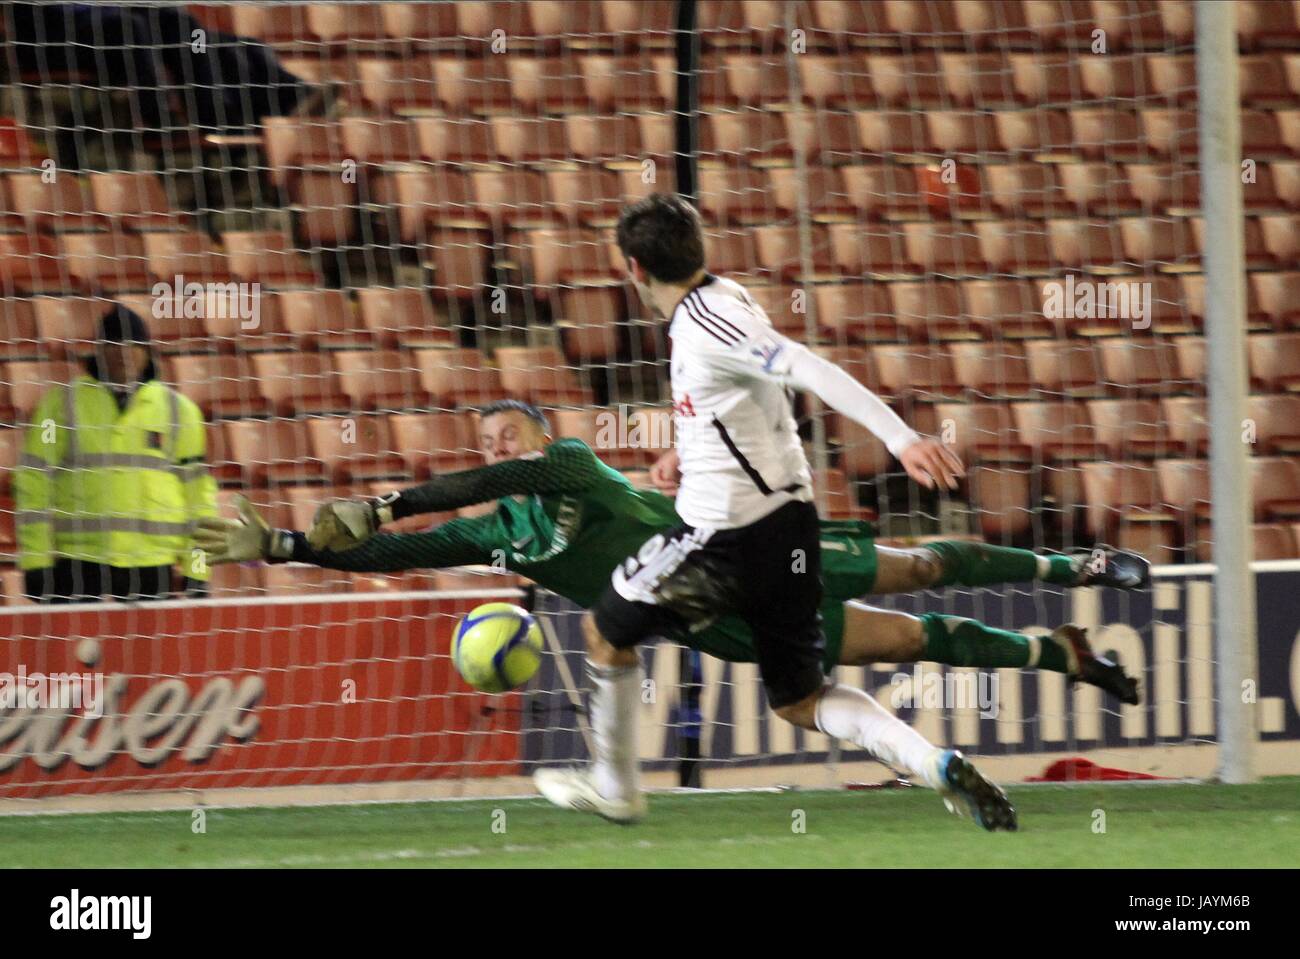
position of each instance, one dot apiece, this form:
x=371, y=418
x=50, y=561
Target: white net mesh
x=350, y=225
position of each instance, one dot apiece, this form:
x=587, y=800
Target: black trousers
x=76, y=581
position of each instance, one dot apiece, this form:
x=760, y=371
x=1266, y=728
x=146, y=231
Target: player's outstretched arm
x=928, y=461
x=567, y=466
x=461, y=542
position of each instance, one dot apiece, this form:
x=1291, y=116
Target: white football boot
x=574, y=789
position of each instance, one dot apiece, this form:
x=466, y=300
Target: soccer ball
x=497, y=647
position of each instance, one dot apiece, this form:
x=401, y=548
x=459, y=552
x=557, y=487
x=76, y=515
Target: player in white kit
x=749, y=543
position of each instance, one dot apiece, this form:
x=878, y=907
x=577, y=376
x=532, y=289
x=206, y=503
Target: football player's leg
x=959, y=563
x=873, y=635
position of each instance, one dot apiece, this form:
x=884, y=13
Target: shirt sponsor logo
x=685, y=407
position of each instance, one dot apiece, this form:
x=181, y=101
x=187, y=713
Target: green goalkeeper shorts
x=848, y=571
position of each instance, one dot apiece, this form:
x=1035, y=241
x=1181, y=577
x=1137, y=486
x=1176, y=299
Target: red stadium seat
x=135, y=201
x=981, y=432
x=106, y=262
x=855, y=312
x=401, y=315
x=1275, y=361
x=1001, y=499
x=45, y=206
x=1066, y=367
x=607, y=431
x=998, y=370
x=457, y=378
x=355, y=448
x=300, y=383
x=1012, y=309
x=380, y=379
x=222, y=386
x=1130, y=428
x=433, y=443
x=541, y=375
x=271, y=451
x=267, y=257
x=1125, y=507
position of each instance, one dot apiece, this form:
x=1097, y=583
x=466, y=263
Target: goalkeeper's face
x=509, y=435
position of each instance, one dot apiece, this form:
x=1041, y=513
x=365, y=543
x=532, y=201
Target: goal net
x=349, y=225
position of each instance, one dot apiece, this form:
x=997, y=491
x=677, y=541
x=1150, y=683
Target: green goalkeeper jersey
x=565, y=520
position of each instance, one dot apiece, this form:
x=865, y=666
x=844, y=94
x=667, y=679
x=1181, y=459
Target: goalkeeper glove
x=243, y=539
x=345, y=524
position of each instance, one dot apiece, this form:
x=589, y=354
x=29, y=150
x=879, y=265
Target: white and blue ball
x=497, y=647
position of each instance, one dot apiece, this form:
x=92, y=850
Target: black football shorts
x=767, y=573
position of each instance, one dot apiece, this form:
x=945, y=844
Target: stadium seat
x=547, y=85
x=51, y=206
x=19, y=336
x=962, y=133
x=586, y=197
x=1272, y=541
x=991, y=24
x=780, y=252
x=1066, y=367
x=1057, y=432
x=1109, y=134
x=981, y=433
x=1037, y=134
x=1092, y=245
x=1130, y=428
x=1168, y=188
x=993, y=370
x=1277, y=423
x=267, y=257
x=738, y=196
x=187, y=254
x=135, y=202
x=299, y=383
x=1186, y=422
x=1046, y=77
x=982, y=80
x=28, y=380
x=379, y=141
x=541, y=375
x=1125, y=507
x=401, y=316
x=1011, y=309
x=931, y=310
x=785, y=305
x=355, y=448
x=1275, y=485
x=1281, y=239
x=271, y=451
x=1147, y=366
x=222, y=386
x=432, y=443
x=824, y=193
x=855, y=312
x=1001, y=500
x=836, y=82
x=1099, y=189
x=628, y=83
x=911, y=371
x=380, y=379
x=824, y=138
x=1275, y=361
x=911, y=80
x=67, y=325
x=835, y=497
x=875, y=191
x=588, y=320
x=1131, y=24
x=326, y=210
x=106, y=263
x=892, y=135
x=1027, y=189
x=11, y=447
x=291, y=144
x=320, y=319
x=1014, y=247
x=457, y=378
x=943, y=249
x=861, y=454
x=604, y=139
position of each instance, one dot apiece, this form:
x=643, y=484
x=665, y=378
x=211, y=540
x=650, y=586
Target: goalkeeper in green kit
x=565, y=520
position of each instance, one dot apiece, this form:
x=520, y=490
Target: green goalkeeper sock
x=979, y=564
x=957, y=641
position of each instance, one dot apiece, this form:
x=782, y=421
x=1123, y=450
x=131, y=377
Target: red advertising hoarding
x=214, y=695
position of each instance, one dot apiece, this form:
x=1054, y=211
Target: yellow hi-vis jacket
x=122, y=487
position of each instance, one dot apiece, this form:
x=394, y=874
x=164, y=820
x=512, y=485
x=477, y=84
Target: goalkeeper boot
x=1105, y=566
x=967, y=793
x=1085, y=666
x=575, y=789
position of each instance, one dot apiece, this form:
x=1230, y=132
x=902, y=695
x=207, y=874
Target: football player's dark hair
x=665, y=235
x=517, y=406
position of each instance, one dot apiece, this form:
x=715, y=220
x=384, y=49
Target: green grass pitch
x=1145, y=826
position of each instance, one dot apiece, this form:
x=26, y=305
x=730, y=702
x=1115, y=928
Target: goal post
x=1219, y=114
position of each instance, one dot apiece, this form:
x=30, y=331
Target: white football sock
x=613, y=705
x=852, y=715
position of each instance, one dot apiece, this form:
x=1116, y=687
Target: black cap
x=120, y=325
